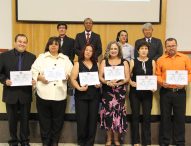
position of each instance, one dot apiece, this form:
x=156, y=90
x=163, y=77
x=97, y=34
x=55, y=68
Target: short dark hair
x=62, y=23
x=51, y=40
x=143, y=43
x=119, y=33
x=170, y=39
x=93, y=58
x=20, y=35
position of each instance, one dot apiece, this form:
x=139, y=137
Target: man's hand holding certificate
x=114, y=73
x=177, y=77
x=54, y=74
x=89, y=78
x=148, y=82
x=21, y=78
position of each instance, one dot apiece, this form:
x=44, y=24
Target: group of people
x=146, y=58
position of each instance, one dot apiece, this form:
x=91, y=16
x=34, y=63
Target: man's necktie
x=149, y=40
x=20, y=62
x=88, y=38
x=61, y=41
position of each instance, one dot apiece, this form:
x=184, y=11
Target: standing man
x=172, y=97
x=66, y=43
x=156, y=49
x=17, y=98
x=88, y=37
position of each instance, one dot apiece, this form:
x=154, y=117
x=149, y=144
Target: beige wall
x=39, y=33
x=6, y=24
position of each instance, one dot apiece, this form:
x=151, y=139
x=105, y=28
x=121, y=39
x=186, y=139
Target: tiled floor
x=64, y=144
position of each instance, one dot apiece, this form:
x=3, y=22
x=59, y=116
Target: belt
x=174, y=89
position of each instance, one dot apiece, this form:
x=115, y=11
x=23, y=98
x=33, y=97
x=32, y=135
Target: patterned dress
x=113, y=111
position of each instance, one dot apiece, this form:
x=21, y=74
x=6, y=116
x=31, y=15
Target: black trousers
x=87, y=114
x=136, y=99
x=51, y=118
x=172, y=102
x=13, y=111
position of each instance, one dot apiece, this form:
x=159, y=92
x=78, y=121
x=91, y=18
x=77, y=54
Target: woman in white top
x=127, y=49
x=51, y=91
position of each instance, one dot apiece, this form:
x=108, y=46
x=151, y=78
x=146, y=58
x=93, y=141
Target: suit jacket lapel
x=91, y=37
x=84, y=37
x=14, y=61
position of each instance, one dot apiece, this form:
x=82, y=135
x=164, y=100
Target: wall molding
x=3, y=50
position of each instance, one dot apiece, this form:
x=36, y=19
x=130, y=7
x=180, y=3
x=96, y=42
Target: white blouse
x=54, y=90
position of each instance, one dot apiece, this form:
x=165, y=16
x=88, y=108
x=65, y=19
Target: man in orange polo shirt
x=172, y=96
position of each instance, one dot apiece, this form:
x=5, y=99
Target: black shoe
x=164, y=145
x=45, y=144
x=54, y=144
x=13, y=143
x=27, y=144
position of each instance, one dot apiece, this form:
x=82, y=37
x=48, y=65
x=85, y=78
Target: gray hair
x=86, y=19
x=147, y=26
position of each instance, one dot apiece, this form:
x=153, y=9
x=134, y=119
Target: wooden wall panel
x=39, y=33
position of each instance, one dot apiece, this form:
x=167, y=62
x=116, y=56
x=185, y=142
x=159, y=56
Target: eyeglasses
x=173, y=46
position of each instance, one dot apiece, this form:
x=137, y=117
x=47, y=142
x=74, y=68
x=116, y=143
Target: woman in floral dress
x=113, y=111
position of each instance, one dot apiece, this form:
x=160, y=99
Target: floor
x=65, y=144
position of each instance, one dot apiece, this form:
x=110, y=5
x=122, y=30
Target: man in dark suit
x=66, y=43
x=88, y=37
x=17, y=98
x=156, y=49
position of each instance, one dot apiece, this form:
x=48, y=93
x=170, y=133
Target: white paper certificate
x=114, y=73
x=177, y=77
x=21, y=78
x=148, y=82
x=54, y=74
x=89, y=78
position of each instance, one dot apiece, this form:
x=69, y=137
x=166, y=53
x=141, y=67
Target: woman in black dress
x=113, y=112
x=86, y=98
x=141, y=65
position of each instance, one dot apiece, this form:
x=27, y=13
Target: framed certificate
x=21, y=78
x=148, y=82
x=177, y=77
x=89, y=78
x=54, y=74
x=114, y=73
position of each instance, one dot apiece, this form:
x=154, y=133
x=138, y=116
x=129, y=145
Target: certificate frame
x=21, y=78
x=114, y=73
x=89, y=78
x=177, y=77
x=54, y=73
x=146, y=82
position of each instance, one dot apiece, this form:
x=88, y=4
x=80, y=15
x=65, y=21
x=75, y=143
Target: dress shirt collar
x=90, y=32
x=124, y=45
x=177, y=54
x=17, y=53
x=60, y=55
x=147, y=39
